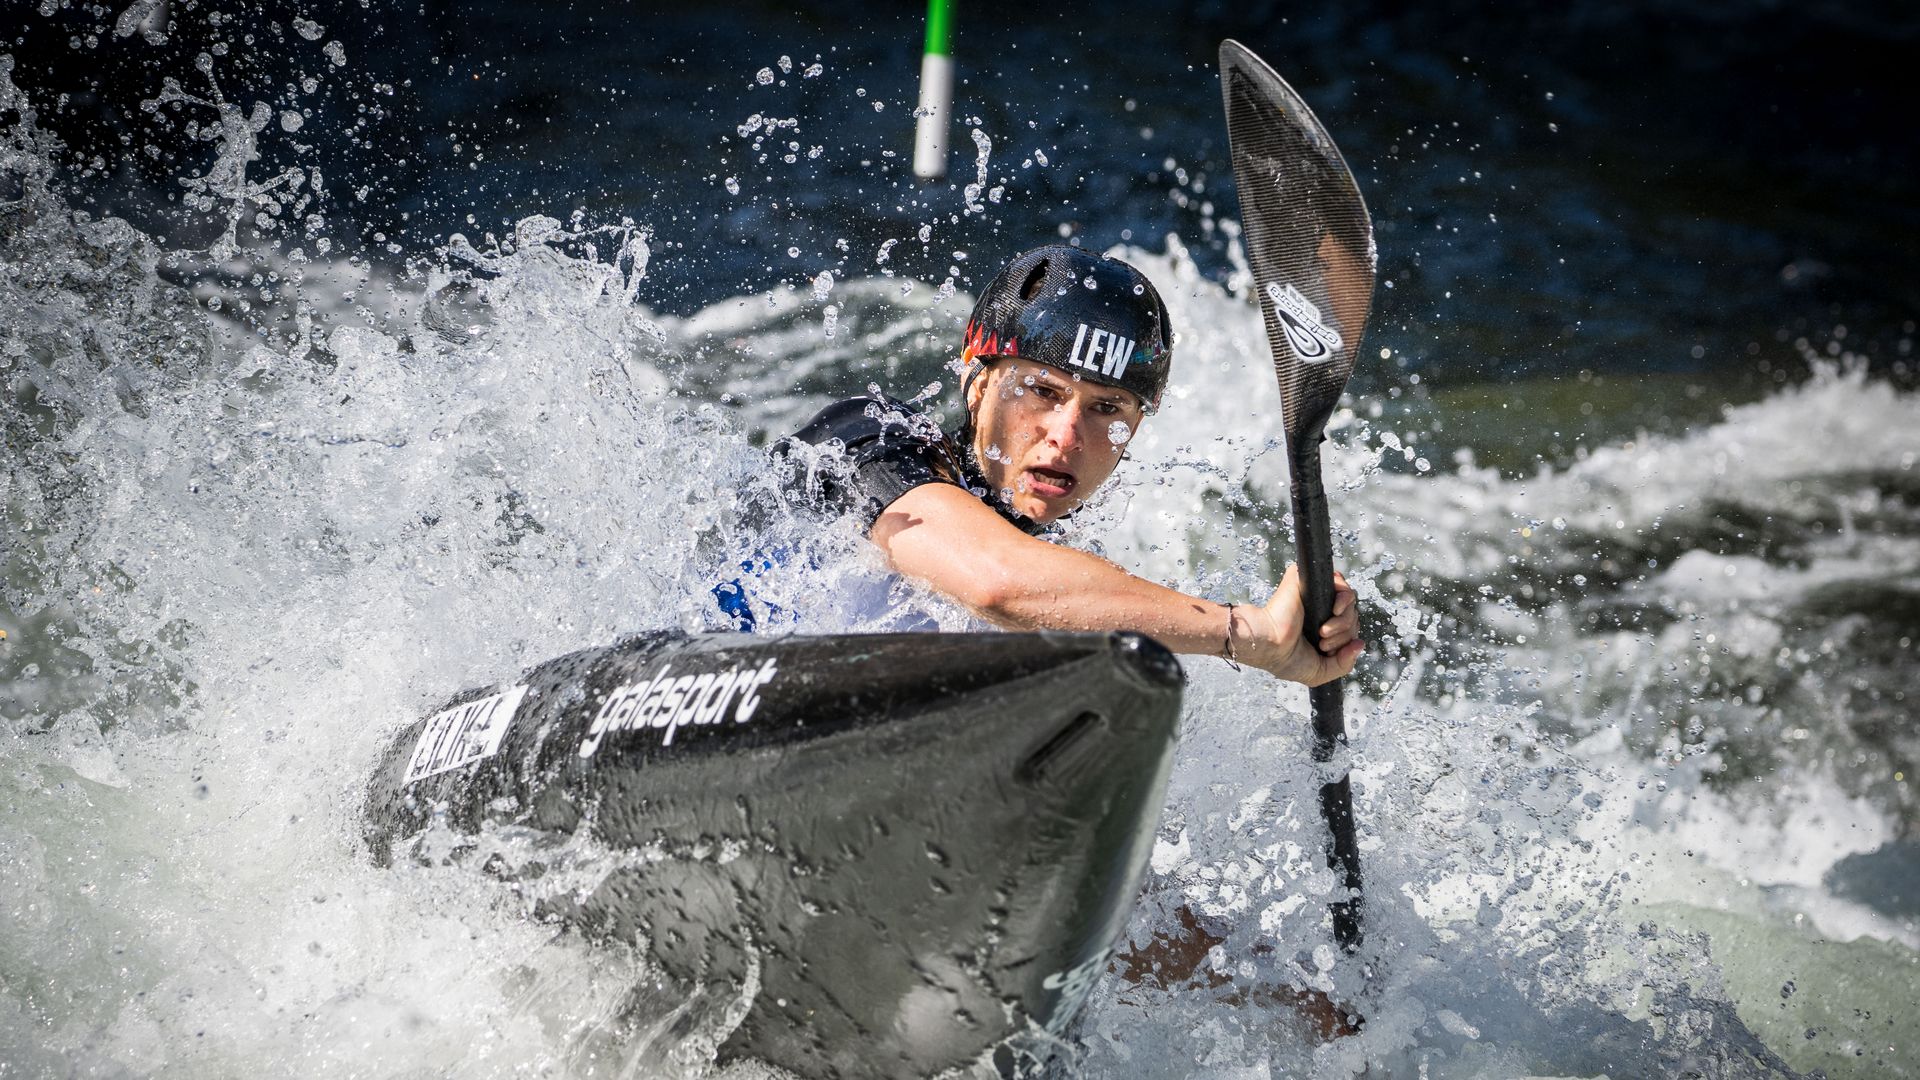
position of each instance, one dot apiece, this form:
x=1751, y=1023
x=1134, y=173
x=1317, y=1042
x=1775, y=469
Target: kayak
x=896, y=854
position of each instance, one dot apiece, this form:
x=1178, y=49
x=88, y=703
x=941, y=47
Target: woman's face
x=1046, y=440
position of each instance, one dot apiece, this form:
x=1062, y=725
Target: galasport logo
x=1313, y=341
x=1100, y=350
x=669, y=702
x=463, y=734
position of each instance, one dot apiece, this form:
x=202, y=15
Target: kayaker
x=1065, y=355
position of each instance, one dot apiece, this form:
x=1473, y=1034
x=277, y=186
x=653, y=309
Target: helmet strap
x=976, y=369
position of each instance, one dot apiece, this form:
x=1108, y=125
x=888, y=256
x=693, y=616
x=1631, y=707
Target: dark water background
x=1628, y=190
x=1596, y=221
x=1593, y=222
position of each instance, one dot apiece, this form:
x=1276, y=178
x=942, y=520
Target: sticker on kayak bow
x=669, y=702
x=463, y=734
x=1313, y=341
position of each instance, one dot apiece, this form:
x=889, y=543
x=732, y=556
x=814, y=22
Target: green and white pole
x=936, y=96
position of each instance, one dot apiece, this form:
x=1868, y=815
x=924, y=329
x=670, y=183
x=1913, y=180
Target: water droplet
x=733, y=185
x=1118, y=433
x=308, y=29
x=764, y=77
x=822, y=284
x=786, y=65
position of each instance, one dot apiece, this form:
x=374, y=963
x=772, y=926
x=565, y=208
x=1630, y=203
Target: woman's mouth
x=1050, y=483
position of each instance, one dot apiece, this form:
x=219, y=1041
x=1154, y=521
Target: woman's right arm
x=942, y=536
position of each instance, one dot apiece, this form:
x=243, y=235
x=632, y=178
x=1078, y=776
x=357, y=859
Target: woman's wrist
x=1245, y=643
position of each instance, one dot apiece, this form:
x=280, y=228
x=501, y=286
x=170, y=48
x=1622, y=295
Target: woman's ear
x=977, y=388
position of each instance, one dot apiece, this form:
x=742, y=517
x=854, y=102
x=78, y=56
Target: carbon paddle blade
x=1308, y=237
x=1310, y=243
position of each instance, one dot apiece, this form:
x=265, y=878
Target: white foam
x=269, y=556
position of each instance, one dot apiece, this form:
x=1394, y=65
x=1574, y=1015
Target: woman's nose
x=1064, y=425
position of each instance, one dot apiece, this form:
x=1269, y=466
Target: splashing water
x=236, y=563
x=983, y=150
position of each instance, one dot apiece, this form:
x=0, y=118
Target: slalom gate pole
x=935, y=114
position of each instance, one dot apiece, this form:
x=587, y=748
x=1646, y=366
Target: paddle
x=1310, y=243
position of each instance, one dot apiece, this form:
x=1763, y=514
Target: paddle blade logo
x=1313, y=341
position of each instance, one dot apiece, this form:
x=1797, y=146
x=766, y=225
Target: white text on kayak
x=463, y=734
x=668, y=702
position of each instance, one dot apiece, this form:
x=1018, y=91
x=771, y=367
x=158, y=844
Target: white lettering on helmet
x=1079, y=338
x=1093, y=350
x=1116, y=350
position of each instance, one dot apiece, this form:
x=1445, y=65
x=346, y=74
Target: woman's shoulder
x=867, y=417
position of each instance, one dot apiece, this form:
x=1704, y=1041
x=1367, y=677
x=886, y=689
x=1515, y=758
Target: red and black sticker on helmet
x=982, y=343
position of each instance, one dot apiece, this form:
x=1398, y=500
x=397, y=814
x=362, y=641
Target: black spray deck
x=899, y=852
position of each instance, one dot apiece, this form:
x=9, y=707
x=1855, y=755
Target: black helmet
x=1086, y=314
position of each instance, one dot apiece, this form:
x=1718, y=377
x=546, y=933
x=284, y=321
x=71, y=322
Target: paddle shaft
x=1313, y=541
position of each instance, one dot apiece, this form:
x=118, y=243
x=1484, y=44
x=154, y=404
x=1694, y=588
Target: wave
x=1627, y=746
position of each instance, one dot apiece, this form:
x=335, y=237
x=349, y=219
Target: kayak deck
x=897, y=854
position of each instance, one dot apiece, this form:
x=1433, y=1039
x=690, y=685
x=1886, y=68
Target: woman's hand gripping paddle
x=1310, y=243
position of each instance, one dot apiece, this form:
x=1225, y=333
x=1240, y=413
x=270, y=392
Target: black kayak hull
x=895, y=854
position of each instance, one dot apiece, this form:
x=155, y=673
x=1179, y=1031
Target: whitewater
x=1629, y=763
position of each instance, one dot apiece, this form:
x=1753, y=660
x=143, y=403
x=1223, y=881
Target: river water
x=286, y=462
